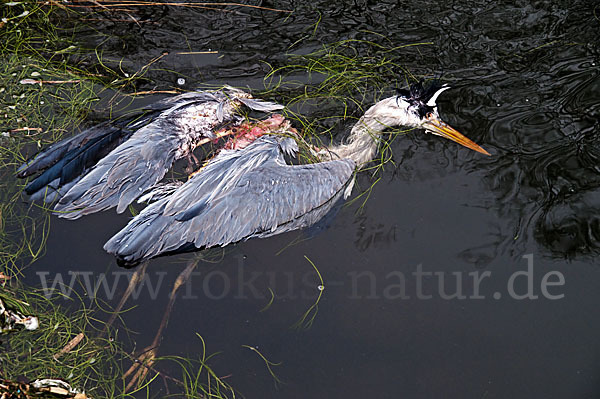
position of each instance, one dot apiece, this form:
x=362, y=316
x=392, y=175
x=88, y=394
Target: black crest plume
x=418, y=95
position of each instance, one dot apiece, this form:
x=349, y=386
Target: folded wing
x=240, y=194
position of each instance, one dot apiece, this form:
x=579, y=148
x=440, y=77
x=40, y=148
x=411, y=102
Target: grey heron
x=244, y=191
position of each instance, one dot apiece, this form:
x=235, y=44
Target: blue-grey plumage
x=247, y=190
x=69, y=159
x=252, y=192
x=112, y=164
x=238, y=195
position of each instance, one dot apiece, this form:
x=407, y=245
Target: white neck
x=363, y=141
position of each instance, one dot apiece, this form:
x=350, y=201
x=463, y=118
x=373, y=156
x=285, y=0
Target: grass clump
x=72, y=344
x=43, y=95
x=63, y=347
x=33, y=114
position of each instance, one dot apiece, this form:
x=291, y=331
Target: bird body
x=247, y=189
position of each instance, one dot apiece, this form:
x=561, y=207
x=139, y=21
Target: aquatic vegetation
x=269, y=364
x=308, y=318
x=42, y=95
x=88, y=365
x=344, y=79
x=74, y=344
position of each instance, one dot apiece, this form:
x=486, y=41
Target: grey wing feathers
x=123, y=175
x=258, y=195
x=159, y=191
x=53, y=154
x=266, y=200
x=143, y=160
x=64, y=162
x=217, y=96
x=49, y=156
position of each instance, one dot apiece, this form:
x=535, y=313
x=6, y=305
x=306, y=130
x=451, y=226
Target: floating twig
x=69, y=347
x=53, y=82
x=27, y=129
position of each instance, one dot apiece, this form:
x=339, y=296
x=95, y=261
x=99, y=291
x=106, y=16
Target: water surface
x=525, y=79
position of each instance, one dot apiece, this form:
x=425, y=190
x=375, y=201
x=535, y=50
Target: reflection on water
x=569, y=225
x=374, y=236
x=548, y=150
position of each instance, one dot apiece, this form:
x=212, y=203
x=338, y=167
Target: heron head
x=417, y=107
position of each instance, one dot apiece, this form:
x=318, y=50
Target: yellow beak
x=441, y=128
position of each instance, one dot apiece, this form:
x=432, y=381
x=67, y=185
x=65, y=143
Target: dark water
x=526, y=85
